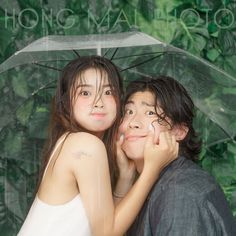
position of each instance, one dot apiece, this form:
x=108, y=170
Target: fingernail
x=121, y=137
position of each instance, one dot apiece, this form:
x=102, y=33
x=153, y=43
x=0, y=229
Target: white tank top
x=67, y=219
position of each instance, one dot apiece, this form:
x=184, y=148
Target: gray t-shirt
x=185, y=201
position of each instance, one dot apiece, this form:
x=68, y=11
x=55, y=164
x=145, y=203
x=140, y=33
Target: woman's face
x=94, y=105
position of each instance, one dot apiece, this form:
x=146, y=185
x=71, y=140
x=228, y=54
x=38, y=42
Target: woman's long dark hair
x=62, y=118
x=176, y=104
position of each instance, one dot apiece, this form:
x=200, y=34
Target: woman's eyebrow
x=106, y=86
x=84, y=85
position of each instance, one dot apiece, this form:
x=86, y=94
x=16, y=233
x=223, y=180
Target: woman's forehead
x=93, y=76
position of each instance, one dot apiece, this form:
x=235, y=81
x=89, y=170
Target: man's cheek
x=121, y=129
x=156, y=139
x=156, y=136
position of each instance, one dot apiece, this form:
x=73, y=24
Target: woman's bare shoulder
x=83, y=151
x=84, y=141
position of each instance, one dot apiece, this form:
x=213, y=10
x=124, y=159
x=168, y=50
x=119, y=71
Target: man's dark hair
x=176, y=104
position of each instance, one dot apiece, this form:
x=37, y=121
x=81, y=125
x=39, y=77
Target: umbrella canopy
x=135, y=54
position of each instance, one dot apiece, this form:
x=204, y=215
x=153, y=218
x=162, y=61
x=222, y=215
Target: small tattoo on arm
x=82, y=154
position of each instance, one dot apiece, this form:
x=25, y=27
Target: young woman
x=75, y=194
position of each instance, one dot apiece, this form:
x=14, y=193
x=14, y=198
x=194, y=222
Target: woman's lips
x=98, y=115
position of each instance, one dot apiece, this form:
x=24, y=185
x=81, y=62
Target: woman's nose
x=98, y=103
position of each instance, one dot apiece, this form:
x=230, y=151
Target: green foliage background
x=206, y=28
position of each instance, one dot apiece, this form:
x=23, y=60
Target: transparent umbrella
x=135, y=54
x=27, y=83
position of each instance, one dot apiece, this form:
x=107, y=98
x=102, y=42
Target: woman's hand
x=127, y=171
x=157, y=156
x=126, y=166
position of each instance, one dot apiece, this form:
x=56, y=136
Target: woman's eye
x=108, y=92
x=84, y=93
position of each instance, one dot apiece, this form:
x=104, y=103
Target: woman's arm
x=127, y=172
x=90, y=167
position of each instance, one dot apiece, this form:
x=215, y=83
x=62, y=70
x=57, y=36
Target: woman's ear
x=180, y=131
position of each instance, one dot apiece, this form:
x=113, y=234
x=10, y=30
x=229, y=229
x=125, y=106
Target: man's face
x=140, y=113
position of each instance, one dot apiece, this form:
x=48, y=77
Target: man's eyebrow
x=143, y=103
x=129, y=102
x=147, y=104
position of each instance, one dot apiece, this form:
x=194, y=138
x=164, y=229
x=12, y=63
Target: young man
x=185, y=201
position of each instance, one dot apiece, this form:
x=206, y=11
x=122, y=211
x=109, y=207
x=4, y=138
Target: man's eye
x=108, y=92
x=150, y=113
x=128, y=112
x=84, y=93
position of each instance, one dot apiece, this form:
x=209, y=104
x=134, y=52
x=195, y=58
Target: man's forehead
x=142, y=98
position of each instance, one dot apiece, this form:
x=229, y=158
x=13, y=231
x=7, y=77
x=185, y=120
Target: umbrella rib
x=224, y=131
x=45, y=66
x=130, y=67
x=114, y=54
x=76, y=53
x=137, y=55
x=106, y=52
x=228, y=135
x=219, y=141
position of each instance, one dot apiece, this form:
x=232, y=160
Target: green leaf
x=2, y=83
x=207, y=164
x=20, y=86
x=208, y=4
x=56, y=7
x=168, y=6
x=23, y=113
x=227, y=42
x=148, y=8
x=232, y=148
x=76, y=26
x=229, y=91
x=199, y=42
x=13, y=144
x=216, y=34
x=227, y=63
x=5, y=38
x=224, y=172
x=201, y=30
x=212, y=28
x=193, y=39
x=212, y=54
x=39, y=123
x=10, y=6
x=154, y=29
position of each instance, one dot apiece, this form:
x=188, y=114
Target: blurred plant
x=205, y=28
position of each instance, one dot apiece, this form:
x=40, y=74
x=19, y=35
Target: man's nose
x=135, y=124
